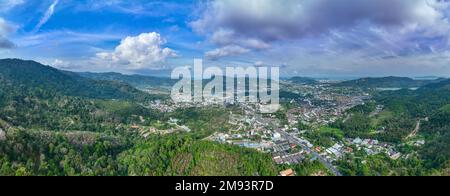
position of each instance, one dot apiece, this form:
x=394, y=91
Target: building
x=293, y=146
x=2, y=135
x=185, y=128
x=420, y=143
x=357, y=141
x=318, y=149
x=394, y=155
x=276, y=136
x=278, y=160
x=288, y=172
x=173, y=121
x=336, y=150
x=281, y=146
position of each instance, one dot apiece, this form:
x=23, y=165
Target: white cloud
x=257, y=24
x=7, y=5
x=5, y=43
x=62, y=64
x=5, y=29
x=225, y=51
x=228, y=37
x=141, y=52
x=259, y=63
x=48, y=14
x=66, y=38
x=154, y=8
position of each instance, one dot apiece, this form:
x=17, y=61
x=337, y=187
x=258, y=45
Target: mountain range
x=68, y=123
x=34, y=78
x=387, y=82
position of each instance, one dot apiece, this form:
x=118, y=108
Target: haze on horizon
x=317, y=38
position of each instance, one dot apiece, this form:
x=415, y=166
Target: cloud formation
x=154, y=8
x=7, y=5
x=48, y=14
x=141, y=52
x=5, y=29
x=258, y=24
x=225, y=51
x=306, y=37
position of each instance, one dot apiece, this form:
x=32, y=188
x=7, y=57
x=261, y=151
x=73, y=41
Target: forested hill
x=30, y=77
x=408, y=116
x=302, y=80
x=421, y=102
x=57, y=123
x=443, y=85
x=437, y=129
x=387, y=82
x=135, y=80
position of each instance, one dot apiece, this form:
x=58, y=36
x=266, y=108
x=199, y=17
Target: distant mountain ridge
x=34, y=78
x=387, y=82
x=134, y=80
x=443, y=85
x=302, y=80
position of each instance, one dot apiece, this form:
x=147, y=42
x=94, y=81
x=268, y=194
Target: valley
x=61, y=123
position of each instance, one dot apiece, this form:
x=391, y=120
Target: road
x=315, y=155
x=417, y=129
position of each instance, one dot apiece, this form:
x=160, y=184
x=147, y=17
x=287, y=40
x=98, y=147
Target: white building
x=276, y=136
x=357, y=141
x=396, y=156
x=2, y=135
x=185, y=128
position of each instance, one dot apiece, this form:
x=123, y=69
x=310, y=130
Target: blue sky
x=318, y=38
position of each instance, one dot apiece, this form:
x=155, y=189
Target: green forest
x=56, y=123
x=428, y=105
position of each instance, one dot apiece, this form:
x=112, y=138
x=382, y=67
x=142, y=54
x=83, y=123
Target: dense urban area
x=55, y=122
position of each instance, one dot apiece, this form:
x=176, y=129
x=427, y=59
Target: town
x=316, y=105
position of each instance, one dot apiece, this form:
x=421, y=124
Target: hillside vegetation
x=58, y=123
x=386, y=82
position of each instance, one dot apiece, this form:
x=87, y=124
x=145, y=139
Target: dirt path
x=416, y=130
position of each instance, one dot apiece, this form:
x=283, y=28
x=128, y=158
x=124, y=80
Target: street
x=315, y=155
